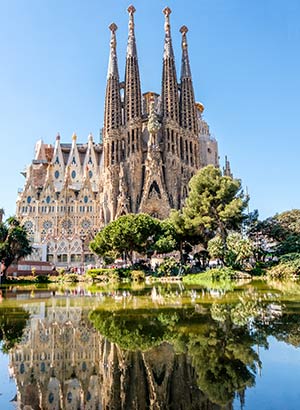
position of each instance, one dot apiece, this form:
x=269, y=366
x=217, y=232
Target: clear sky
x=245, y=60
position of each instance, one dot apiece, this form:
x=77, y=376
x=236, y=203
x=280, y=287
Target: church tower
x=112, y=129
x=133, y=118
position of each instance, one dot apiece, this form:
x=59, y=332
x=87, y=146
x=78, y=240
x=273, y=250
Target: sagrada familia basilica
x=151, y=146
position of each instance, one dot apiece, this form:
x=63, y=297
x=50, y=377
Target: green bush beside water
x=115, y=274
x=285, y=269
x=214, y=275
x=42, y=279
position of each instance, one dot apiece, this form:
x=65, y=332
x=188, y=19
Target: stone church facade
x=151, y=146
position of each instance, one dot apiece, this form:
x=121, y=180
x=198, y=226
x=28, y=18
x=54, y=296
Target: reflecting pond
x=151, y=347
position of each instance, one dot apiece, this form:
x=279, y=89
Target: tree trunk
x=3, y=277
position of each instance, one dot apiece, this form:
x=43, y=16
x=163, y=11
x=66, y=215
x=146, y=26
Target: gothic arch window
x=132, y=140
x=154, y=189
x=181, y=148
x=186, y=152
x=123, y=152
x=184, y=192
x=137, y=140
x=113, y=152
x=108, y=155
x=191, y=154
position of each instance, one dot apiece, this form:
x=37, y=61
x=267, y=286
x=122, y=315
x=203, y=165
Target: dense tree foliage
x=279, y=233
x=14, y=243
x=234, y=253
x=133, y=233
x=215, y=204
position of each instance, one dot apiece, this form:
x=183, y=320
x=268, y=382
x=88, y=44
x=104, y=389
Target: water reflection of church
x=64, y=363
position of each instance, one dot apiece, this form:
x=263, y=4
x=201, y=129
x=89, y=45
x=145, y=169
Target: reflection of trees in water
x=137, y=329
x=223, y=354
x=285, y=328
x=221, y=351
x=12, y=324
x=63, y=362
x=166, y=358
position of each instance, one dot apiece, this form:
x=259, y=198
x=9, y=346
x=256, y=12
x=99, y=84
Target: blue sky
x=245, y=60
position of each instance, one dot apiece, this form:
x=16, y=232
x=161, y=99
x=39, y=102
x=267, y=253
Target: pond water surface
x=151, y=347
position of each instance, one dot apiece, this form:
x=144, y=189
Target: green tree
x=127, y=234
x=234, y=253
x=215, y=204
x=281, y=230
x=14, y=244
x=185, y=236
x=1, y=214
x=166, y=238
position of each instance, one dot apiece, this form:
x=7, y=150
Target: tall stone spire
x=187, y=108
x=169, y=81
x=132, y=94
x=113, y=114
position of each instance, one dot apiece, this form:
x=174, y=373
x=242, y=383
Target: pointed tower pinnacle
x=169, y=80
x=112, y=116
x=132, y=94
x=187, y=107
x=227, y=168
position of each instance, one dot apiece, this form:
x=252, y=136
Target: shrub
x=257, y=270
x=288, y=257
x=171, y=267
x=212, y=275
x=42, y=279
x=138, y=275
x=123, y=273
x=222, y=273
x=285, y=269
x=61, y=271
x=103, y=274
x=72, y=277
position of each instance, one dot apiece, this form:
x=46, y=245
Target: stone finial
x=131, y=9
x=167, y=11
x=113, y=27
x=74, y=137
x=58, y=136
x=90, y=137
x=183, y=29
